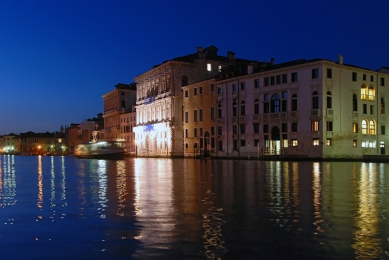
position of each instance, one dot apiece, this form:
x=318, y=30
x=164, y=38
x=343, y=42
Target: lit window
x=363, y=92
x=209, y=67
x=355, y=128
x=364, y=127
x=372, y=129
x=294, y=142
x=354, y=143
x=315, y=126
x=315, y=142
x=371, y=93
x=329, y=142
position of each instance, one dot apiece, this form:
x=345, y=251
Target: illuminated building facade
x=159, y=105
x=199, y=118
x=304, y=108
x=117, y=102
x=42, y=143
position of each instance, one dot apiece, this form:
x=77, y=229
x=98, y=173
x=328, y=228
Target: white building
x=304, y=108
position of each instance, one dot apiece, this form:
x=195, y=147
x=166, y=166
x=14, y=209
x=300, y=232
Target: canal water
x=143, y=208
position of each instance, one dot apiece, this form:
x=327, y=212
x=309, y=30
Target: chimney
x=340, y=59
x=200, y=52
x=231, y=56
x=272, y=61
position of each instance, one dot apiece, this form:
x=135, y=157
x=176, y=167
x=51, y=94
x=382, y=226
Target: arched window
x=184, y=81
x=355, y=102
x=371, y=93
x=234, y=109
x=329, y=99
x=242, y=108
x=275, y=103
x=364, y=127
x=256, y=106
x=372, y=129
x=363, y=92
x=315, y=100
x=382, y=106
x=294, y=102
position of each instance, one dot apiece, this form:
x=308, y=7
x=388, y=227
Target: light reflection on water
x=62, y=208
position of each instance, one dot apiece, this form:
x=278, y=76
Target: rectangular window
x=219, y=90
x=186, y=117
x=234, y=129
x=294, y=142
x=201, y=115
x=212, y=87
x=209, y=67
x=201, y=90
x=329, y=142
x=266, y=81
x=329, y=73
x=285, y=140
x=284, y=127
x=219, y=130
x=364, y=77
x=364, y=108
x=382, y=130
x=212, y=143
x=294, y=77
x=256, y=128
x=234, y=88
x=272, y=80
x=256, y=83
x=195, y=92
x=186, y=93
x=201, y=131
x=315, y=73
x=256, y=142
x=315, y=142
x=355, y=127
x=186, y=133
x=242, y=142
x=212, y=113
x=284, y=78
x=314, y=126
x=382, y=81
x=354, y=76
x=242, y=86
x=186, y=145
x=354, y=143
x=235, y=145
x=195, y=132
x=242, y=128
x=195, y=115
x=266, y=128
x=371, y=109
x=372, y=78
x=212, y=130
x=329, y=126
x=278, y=79
x=294, y=127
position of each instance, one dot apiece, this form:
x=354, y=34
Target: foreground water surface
x=140, y=208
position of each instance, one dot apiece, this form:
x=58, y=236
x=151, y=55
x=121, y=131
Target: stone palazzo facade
x=159, y=104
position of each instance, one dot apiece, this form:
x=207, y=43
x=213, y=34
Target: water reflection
x=193, y=209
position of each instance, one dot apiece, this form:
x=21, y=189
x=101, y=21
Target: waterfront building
x=117, y=102
x=38, y=143
x=127, y=123
x=73, y=137
x=199, y=102
x=159, y=105
x=304, y=108
x=10, y=144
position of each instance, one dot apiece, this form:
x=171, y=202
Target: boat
x=100, y=150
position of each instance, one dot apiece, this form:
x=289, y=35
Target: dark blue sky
x=57, y=58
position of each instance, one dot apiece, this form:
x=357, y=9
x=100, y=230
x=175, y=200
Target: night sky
x=57, y=58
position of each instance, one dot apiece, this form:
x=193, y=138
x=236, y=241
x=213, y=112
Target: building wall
x=127, y=123
x=199, y=132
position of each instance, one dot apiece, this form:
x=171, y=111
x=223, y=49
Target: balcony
x=329, y=82
x=255, y=118
x=330, y=112
x=293, y=114
x=242, y=119
x=235, y=120
x=355, y=114
x=315, y=112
